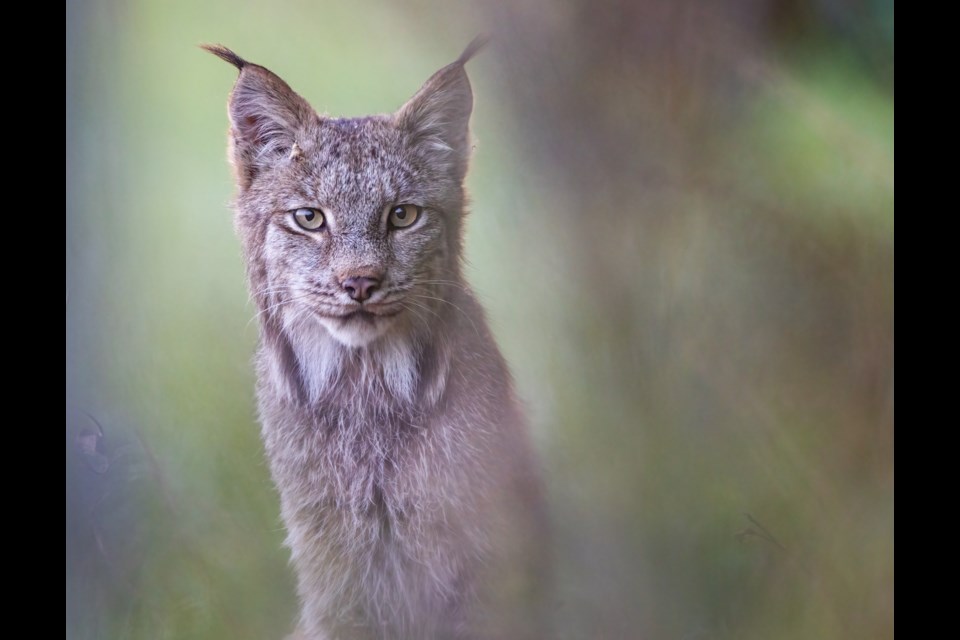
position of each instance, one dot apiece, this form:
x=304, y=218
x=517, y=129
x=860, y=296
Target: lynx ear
x=438, y=116
x=266, y=116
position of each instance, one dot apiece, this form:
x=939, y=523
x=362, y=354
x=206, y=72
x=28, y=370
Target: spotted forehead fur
x=357, y=166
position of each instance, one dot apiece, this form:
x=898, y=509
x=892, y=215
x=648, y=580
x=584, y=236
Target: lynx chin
x=407, y=482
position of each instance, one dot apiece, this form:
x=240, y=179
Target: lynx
x=407, y=481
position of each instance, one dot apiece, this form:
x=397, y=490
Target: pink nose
x=360, y=288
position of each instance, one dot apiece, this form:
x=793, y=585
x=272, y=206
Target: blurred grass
x=710, y=232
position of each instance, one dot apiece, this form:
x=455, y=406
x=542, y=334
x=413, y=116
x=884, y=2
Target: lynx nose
x=360, y=288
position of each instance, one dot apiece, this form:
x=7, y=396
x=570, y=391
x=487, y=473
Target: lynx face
x=357, y=236
x=354, y=223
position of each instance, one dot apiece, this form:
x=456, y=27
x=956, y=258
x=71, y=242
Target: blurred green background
x=683, y=232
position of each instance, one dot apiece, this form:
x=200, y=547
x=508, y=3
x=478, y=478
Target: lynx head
x=349, y=222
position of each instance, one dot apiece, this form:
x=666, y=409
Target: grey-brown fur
x=407, y=481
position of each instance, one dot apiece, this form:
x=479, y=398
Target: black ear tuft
x=225, y=54
x=476, y=45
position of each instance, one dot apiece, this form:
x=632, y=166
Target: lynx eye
x=403, y=215
x=309, y=219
